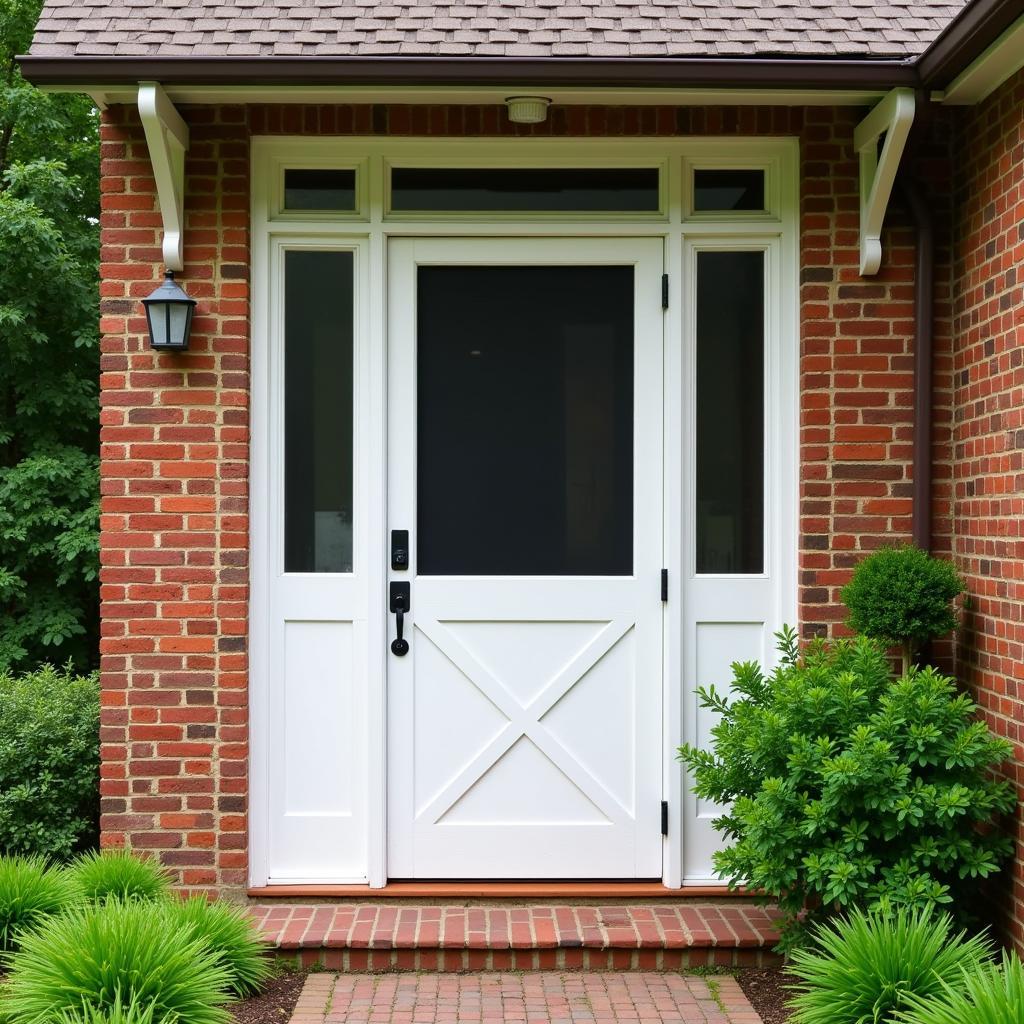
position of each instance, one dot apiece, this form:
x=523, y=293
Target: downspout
x=914, y=195
x=924, y=319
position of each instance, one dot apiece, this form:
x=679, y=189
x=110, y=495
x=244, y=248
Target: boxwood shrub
x=49, y=762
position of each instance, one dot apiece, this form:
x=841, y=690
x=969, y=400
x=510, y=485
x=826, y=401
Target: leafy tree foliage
x=849, y=788
x=49, y=363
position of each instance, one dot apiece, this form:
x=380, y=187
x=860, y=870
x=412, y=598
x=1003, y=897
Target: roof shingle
x=577, y=28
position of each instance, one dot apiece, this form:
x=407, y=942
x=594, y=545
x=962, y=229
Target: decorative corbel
x=167, y=141
x=891, y=117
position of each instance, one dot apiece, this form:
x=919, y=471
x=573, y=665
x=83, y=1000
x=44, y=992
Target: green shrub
x=902, y=596
x=988, y=994
x=865, y=967
x=230, y=933
x=31, y=890
x=49, y=762
x=849, y=788
x=121, y=875
x=90, y=959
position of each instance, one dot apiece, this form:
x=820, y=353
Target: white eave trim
x=106, y=94
x=892, y=117
x=167, y=141
x=1005, y=57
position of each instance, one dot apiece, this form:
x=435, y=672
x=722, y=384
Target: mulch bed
x=766, y=993
x=274, y=1005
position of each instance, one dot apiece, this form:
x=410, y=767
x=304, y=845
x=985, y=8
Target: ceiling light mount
x=527, y=109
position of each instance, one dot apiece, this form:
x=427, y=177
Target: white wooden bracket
x=167, y=141
x=892, y=117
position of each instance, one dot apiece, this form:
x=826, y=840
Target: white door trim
x=371, y=227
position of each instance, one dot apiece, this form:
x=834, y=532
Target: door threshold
x=517, y=890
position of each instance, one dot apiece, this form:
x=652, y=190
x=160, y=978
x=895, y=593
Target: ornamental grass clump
x=230, y=933
x=866, y=967
x=988, y=994
x=106, y=958
x=847, y=788
x=118, y=874
x=30, y=891
x=902, y=596
x=118, y=1013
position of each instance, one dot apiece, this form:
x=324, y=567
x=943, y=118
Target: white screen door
x=525, y=462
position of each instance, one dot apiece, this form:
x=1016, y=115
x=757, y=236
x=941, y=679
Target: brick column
x=174, y=525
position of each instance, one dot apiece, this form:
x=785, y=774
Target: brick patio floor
x=540, y=997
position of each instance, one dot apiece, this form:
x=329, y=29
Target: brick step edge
x=455, y=961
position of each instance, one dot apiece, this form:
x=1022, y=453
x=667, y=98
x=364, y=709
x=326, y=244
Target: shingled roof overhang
x=966, y=38
x=962, y=41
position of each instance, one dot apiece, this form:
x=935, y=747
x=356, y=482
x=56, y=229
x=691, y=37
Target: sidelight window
x=730, y=407
x=318, y=338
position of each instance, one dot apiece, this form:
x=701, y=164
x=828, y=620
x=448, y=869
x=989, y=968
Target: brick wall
x=174, y=542
x=174, y=531
x=856, y=370
x=988, y=429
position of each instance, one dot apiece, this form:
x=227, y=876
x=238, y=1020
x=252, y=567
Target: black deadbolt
x=399, y=549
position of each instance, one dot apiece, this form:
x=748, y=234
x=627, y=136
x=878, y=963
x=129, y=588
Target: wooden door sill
x=518, y=890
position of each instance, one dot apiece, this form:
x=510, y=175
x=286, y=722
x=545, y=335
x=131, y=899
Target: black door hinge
x=664, y=291
x=664, y=817
x=664, y=584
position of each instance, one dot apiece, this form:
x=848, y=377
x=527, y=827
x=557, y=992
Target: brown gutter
x=569, y=71
x=965, y=38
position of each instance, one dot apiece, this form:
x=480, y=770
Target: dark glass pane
x=728, y=190
x=730, y=412
x=318, y=412
x=319, y=189
x=425, y=189
x=525, y=420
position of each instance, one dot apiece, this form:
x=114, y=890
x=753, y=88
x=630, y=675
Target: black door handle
x=399, y=604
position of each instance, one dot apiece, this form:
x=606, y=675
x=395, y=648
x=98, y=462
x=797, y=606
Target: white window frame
x=369, y=228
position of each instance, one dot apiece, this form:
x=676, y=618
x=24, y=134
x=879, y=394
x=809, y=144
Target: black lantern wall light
x=169, y=313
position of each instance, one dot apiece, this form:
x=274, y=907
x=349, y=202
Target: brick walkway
x=533, y=998
x=375, y=937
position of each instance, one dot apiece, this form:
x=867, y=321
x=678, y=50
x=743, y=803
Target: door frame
x=371, y=225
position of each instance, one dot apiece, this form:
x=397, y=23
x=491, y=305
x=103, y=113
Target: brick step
x=388, y=937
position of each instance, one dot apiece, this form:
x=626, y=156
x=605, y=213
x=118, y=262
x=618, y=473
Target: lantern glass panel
x=180, y=313
x=157, y=315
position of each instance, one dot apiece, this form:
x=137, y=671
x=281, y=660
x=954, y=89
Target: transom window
x=722, y=189
x=320, y=189
x=525, y=189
